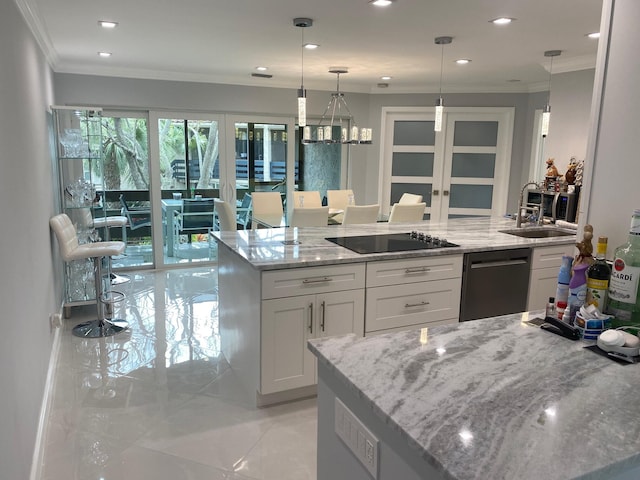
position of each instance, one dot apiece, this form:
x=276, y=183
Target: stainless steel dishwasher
x=495, y=283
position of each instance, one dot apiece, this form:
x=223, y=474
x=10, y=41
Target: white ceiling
x=222, y=41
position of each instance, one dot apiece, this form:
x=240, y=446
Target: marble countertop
x=276, y=248
x=496, y=398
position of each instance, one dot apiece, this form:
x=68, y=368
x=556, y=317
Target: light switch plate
x=357, y=437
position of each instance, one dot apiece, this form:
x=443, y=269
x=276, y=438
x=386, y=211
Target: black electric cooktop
x=391, y=242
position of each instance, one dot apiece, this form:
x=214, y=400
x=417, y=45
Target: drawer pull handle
x=419, y=304
x=410, y=271
x=307, y=281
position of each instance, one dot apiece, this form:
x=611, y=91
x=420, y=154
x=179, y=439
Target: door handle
x=445, y=193
x=311, y=318
x=436, y=193
x=322, y=316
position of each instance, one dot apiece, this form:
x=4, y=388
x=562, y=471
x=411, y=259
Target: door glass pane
x=407, y=132
x=424, y=189
x=126, y=175
x=475, y=165
x=261, y=159
x=412, y=164
x=189, y=169
x=471, y=196
x=475, y=134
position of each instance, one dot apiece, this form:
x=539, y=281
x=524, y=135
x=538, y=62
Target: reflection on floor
x=160, y=402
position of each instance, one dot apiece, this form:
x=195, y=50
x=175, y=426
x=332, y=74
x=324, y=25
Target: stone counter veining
x=496, y=399
x=277, y=248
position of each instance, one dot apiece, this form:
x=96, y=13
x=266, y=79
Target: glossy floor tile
x=160, y=402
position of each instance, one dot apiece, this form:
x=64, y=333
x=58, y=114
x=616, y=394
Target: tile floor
x=160, y=401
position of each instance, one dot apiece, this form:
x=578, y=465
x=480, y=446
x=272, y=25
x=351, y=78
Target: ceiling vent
x=261, y=75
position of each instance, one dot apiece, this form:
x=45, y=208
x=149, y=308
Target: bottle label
x=597, y=293
x=623, y=286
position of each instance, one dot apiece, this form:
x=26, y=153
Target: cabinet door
x=287, y=324
x=339, y=313
x=542, y=285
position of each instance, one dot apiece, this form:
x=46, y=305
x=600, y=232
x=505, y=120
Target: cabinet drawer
x=412, y=304
x=303, y=281
x=544, y=257
x=395, y=272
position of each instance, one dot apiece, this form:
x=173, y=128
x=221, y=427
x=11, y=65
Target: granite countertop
x=276, y=248
x=496, y=398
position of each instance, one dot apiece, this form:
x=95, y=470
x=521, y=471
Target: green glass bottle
x=598, y=276
x=624, y=301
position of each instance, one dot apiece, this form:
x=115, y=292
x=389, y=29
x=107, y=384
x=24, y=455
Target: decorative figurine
x=552, y=171
x=570, y=175
x=585, y=247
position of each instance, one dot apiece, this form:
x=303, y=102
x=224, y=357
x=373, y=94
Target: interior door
x=461, y=171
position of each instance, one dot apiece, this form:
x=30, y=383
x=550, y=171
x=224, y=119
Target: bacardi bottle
x=624, y=302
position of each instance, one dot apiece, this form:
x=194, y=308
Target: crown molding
x=31, y=15
x=573, y=64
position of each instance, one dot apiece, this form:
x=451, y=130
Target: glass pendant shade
x=437, y=127
x=546, y=117
x=302, y=108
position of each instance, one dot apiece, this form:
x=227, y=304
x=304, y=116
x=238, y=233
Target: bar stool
x=107, y=223
x=71, y=250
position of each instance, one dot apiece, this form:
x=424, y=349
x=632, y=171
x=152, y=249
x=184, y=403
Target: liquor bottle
x=598, y=275
x=624, y=302
x=562, y=292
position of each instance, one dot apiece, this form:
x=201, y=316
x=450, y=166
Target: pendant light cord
x=441, y=69
x=550, y=73
x=302, y=61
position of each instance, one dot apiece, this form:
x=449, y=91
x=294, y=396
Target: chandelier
x=334, y=125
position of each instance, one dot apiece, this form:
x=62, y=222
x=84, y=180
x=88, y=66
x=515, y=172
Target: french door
x=461, y=171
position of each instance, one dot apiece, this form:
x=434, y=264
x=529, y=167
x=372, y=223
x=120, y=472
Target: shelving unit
x=78, y=147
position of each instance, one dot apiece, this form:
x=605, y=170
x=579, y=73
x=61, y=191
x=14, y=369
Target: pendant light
x=440, y=103
x=546, y=112
x=302, y=23
x=334, y=116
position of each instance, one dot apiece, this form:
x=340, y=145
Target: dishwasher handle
x=499, y=263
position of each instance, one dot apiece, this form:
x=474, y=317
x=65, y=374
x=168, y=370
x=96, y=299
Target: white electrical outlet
x=357, y=437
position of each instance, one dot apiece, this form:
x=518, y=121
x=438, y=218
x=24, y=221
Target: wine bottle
x=598, y=276
x=624, y=301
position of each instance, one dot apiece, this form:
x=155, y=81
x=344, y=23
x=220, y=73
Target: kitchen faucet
x=535, y=209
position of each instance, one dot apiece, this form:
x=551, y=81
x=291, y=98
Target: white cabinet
x=289, y=321
x=543, y=279
x=413, y=293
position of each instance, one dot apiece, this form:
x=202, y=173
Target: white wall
x=27, y=295
x=615, y=189
x=570, y=114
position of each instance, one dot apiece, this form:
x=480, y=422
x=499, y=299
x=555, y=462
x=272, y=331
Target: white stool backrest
x=309, y=217
x=311, y=199
x=225, y=215
x=410, y=198
x=66, y=234
x=339, y=199
x=267, y=206
x=360, y=214
x=408, y=213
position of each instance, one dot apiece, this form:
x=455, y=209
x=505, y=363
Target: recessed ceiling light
x=463, y=61
x=261, y=69
x=381, y=3
x=107, y=24
x=594, y=35
x=104, y=54
x=311, y=46
x=502, y=20
x=386, y=77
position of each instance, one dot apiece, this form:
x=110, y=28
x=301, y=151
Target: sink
x=539, y=232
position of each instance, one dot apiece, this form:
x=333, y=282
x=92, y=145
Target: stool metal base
x=100, y=328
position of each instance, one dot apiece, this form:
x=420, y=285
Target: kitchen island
x=279, y=287
x=490, y=399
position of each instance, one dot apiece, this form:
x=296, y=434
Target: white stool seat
x=97, y=249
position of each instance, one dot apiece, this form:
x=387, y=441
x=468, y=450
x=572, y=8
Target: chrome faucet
x=535, y=209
